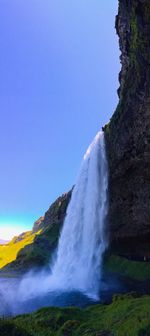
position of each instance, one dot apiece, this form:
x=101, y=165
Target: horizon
x=56, y=94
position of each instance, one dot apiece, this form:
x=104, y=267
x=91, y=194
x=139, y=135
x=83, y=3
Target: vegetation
x=36, y=247
x=34, y=250
x=8, y=252
x=138, y=270
x=127, y=315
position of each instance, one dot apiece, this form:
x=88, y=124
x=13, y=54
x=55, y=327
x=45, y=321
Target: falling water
x=83, y=238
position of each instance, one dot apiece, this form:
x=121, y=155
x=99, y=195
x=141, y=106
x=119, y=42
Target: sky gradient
x=59, y=65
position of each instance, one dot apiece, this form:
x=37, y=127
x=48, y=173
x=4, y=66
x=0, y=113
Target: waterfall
x=83, y=238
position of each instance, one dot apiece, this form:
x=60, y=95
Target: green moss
x=8, y=328
x=125, y=316
x=69, y=327
x=134, y=269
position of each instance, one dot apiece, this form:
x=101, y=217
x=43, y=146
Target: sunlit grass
x=8, y=252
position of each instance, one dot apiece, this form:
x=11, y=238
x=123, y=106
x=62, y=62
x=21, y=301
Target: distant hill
x=2, y=241
x=34, y=248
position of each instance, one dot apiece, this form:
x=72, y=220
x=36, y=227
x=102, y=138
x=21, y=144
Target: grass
x=125, y=316
x=138, y=270
x=9, y=252
x=35, y=249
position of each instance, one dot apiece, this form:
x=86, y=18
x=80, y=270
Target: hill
x=2, y=241
x=34, y=248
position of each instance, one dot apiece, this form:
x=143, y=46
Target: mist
x=35, y=290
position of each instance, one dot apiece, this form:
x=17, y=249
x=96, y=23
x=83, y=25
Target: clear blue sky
x=59, y=65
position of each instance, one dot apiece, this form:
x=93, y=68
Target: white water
x=83, y=238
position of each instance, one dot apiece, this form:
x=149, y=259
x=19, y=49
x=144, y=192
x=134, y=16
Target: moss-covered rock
x=138, y=270
x=8, y=328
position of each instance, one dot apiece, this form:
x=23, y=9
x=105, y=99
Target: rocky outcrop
x=128, y=134
x=21, y=237
x=38, y=224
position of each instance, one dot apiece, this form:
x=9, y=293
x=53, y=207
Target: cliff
x=128, y=135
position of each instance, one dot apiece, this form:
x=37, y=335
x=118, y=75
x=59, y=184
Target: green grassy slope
x=8, y=252
x=34, y=248
x=125, y=316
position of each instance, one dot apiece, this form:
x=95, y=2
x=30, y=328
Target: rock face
x=38, y=224
x=128, y=134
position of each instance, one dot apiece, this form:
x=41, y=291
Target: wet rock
x=128, y=134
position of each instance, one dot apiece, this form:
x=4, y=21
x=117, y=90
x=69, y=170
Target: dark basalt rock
x=128, y=134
